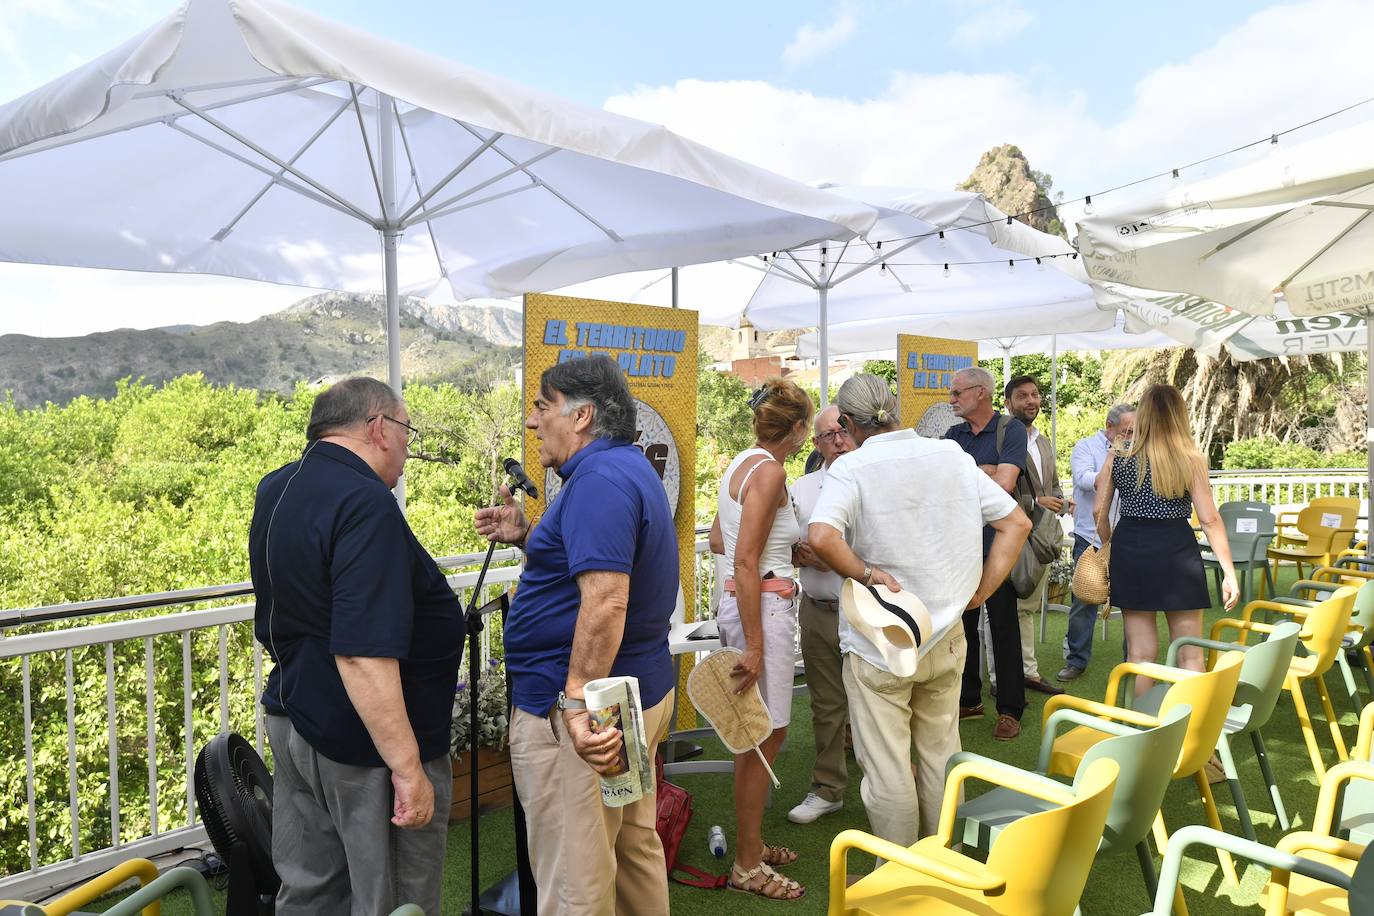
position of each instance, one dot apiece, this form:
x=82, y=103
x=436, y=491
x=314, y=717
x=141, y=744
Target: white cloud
x=811, y=42
x=928, y=129
x=991, y=24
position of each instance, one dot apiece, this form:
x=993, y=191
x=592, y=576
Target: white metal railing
x=166, y=818
x=1289, y=487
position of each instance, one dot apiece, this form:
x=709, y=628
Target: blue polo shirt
x=610, y=515
x=348, y=577
x=983, y=448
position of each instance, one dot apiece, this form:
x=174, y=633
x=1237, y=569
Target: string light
x=1039, y=264
x=946, y=267
x=942, y=240
x=1011, y=265
x=1088, y=208
x=1008, y=220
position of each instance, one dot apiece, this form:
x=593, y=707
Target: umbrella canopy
x=1298, y=222
x=253, y=139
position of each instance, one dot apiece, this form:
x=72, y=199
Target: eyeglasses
x=958, y=392
x=412, y=434
x=832, y=435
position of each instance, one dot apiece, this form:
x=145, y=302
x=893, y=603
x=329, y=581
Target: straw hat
x=897, y=623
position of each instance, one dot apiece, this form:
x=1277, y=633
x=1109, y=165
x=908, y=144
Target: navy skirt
x=1156, y=566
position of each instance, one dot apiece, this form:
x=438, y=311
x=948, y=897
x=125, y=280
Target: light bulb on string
x=1039, y=264
x=1175, y=179
x=1088, y=208
x=946, y=267
x=942, y=243
x=1011, y=266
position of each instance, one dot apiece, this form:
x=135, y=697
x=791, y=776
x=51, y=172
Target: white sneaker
x=811, y=808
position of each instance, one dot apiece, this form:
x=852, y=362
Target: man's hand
x=988, y=469
x=600, y=749
x=505, y=523
x=1053, y=503
x=884, y=578
x=413, y=794
x=803, y=555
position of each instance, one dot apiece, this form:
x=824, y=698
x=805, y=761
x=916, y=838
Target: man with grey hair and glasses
x=367, y=638
x=997, y=444
x=907, y=512
x=599, y=586
x=1088, y=457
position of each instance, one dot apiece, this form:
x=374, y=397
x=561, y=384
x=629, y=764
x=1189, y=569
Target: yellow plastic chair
x=1037, y=865
x=1357, y=804
x=1324, y=626
x=1324, y=528
x=1210, y=695
x=98, y=887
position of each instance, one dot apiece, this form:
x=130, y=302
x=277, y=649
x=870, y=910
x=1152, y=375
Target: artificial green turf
x=1115, y=885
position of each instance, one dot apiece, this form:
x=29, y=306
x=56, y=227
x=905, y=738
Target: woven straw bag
x=1090, y=577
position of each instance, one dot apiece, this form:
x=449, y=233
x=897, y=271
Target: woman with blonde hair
x=1161, y=477
x=756, y=527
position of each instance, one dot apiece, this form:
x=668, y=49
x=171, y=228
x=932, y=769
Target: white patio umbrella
x=939, y=254
x=253, y=139
x=1297, y=222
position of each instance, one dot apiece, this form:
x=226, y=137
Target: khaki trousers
x=893, y=715
x=587, y=858
x=820, y=646
x=1028, y=617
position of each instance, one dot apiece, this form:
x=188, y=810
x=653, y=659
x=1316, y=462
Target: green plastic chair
x=1146, y=761
x=1247, y=546
x=1257, y=693
x=183, y=878
x=1359, y=886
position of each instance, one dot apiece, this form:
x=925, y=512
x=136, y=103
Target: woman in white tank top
x=756, y=527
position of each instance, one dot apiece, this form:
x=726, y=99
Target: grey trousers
x=333, y=843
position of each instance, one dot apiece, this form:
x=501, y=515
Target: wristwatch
x=868, y=575
x=567, y=702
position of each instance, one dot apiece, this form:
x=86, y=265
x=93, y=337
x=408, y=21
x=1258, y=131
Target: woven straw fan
x=742, y=722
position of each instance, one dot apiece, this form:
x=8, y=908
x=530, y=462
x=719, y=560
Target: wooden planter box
x=1058, y=593
x=495, y=785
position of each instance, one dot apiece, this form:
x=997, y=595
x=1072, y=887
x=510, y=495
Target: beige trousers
x=1028, y=617
x=588, y=860
x=893, y=715
x=820, y=646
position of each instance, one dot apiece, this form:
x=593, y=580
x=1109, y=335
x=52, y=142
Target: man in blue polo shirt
x=599, y=587
x=970, y=395
x=367, y=640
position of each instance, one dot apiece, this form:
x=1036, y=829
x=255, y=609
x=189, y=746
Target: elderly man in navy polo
x=367, y=639
x=997, y=443
x=599, y=585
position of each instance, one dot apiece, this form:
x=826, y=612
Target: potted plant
x=492, y=757
x=1061, y=577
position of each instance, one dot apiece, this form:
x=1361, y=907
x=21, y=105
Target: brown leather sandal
x=777, y=856
x=773, y=886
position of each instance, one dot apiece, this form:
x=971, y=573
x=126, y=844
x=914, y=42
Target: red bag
x=674, y=813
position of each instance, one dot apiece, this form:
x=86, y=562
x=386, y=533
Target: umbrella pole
x=391, y=239
x=1054, y=393
x=825, y=341
x=1369, y=417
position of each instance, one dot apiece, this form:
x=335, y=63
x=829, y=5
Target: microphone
x=517, y=474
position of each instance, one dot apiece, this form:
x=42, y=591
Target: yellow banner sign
x=925, y=367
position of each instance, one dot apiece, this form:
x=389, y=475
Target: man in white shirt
x=908, y=512
x=818, y=617
x=1088, y=457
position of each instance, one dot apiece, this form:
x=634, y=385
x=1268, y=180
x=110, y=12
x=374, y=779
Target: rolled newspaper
x=613, y=702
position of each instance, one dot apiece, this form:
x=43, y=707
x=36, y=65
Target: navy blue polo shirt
x=983, y=448
x=611, y=515
x=348, y=577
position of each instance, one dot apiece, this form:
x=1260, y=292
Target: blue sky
x=901, y=93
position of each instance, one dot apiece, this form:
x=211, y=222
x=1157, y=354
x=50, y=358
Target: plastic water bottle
x=715, y=841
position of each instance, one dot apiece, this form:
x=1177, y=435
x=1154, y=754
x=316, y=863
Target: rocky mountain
x=321, y=337
x=1006, y=179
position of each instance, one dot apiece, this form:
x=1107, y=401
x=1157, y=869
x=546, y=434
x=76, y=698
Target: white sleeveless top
x=786, y=530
